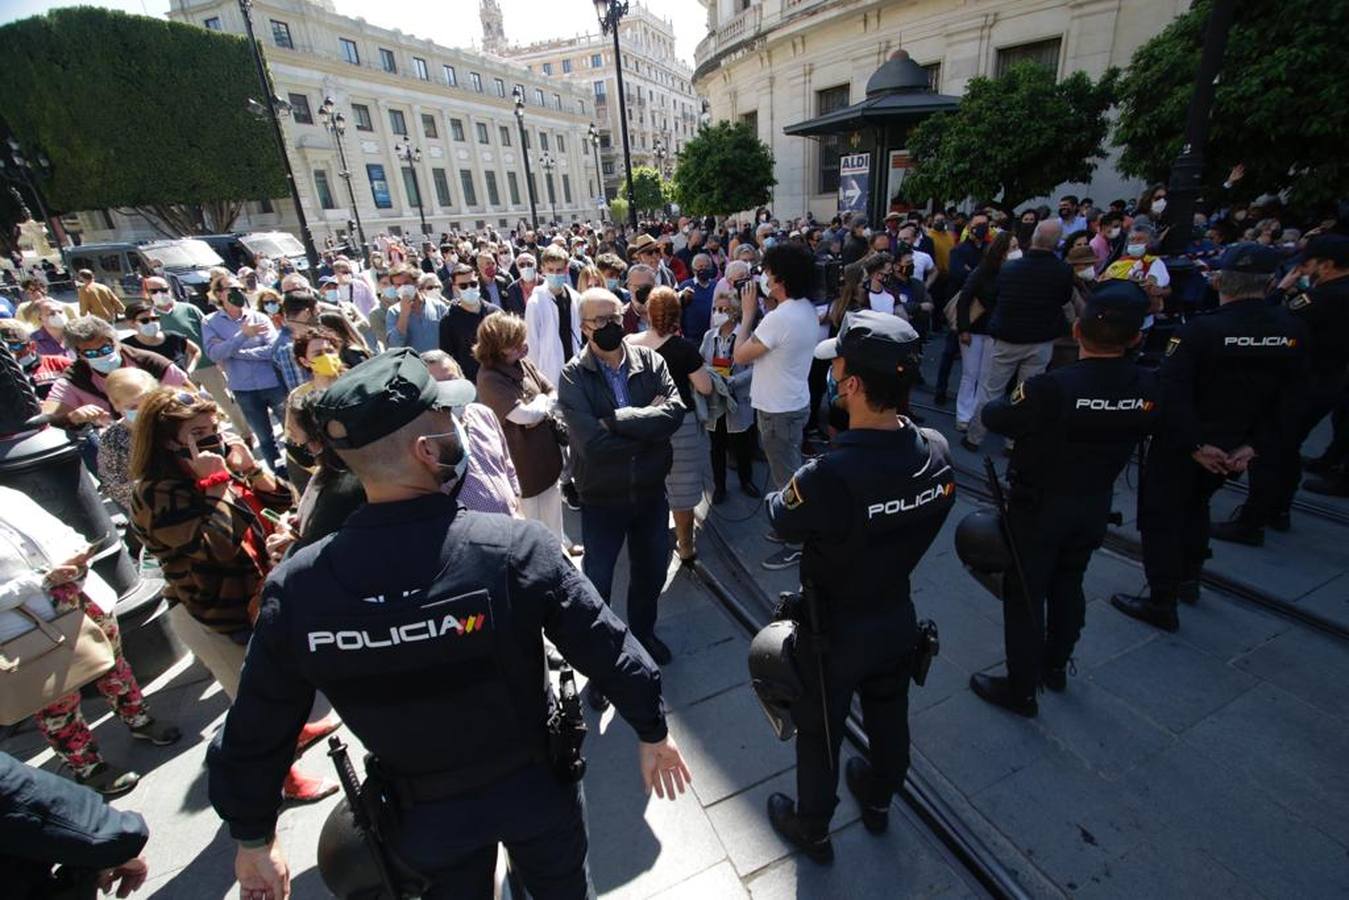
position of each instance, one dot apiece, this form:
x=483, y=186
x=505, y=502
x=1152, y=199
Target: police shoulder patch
x=1172, y=345
x=791, y=495
x=1301, y=301
x=1020, y=393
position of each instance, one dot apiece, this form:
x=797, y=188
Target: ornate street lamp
x=336, y=124
x=519, y=97
x=549, y=164
x=20, y=169
x=413, y=155
x=610, y=13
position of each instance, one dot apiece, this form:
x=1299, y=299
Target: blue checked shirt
x=283, y=357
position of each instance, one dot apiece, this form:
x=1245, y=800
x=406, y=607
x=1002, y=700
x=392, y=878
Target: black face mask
x=609, y=338
x=301, y=454
x=979, y=232
x=642, y=293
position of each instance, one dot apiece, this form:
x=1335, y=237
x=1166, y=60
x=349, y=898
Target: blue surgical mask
x=271, y=306
x=831, y=387
x=105, y=364
x=130, y=415
x=470, y=296
x=556, y=282
x=611, y=283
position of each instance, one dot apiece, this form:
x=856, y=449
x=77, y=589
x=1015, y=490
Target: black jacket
x=620, y=456
x=48, y=821
x=1031, y=294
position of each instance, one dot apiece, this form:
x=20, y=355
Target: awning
x=876, y=111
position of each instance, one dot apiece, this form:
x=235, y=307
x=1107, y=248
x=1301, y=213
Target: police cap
x=381, y=395
x=1249, y=256
x=871, y=340
x=1118, y=301
x=1333, y=248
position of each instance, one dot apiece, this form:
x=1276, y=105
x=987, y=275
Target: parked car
x=245, y=249
x=121, y=266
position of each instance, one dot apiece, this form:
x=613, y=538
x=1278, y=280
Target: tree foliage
x=724, y=169
x=1281, y=106
x=1012, y=137
x=138, y=112
x=649, y=190
x=618, y=209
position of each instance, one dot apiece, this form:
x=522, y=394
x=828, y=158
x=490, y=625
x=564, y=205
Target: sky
x=444, y=21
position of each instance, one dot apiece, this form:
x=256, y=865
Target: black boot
x=876, y=819
x=1055, y=678
x=1243, y=528
x=1157, y=609
x=998, y=690
x=782, y=815
x=1188, y=591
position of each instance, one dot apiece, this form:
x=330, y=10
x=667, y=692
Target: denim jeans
x=646, y=527
x=780, y=434
x=256, y=405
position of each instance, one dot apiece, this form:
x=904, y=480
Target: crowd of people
x=611, y=372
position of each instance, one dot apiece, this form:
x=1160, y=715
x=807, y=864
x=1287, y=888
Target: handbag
x=953, y=317
x=50, y=661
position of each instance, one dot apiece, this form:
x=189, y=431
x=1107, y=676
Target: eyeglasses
x=467, y=284
x=143, y=319
x=16, y=347
x=98, y=352
x=602, y=321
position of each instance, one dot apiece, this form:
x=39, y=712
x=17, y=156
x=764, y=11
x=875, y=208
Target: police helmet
x=344, y=861
x=772, y=672
x=983, y=549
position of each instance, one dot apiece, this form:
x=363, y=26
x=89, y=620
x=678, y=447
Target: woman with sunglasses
x=149, y=335
x=201, y=505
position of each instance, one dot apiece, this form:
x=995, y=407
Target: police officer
x=866, y=513
x=1323, y=310
x=1231, y=389
x=1075, y=428
x=422, y=622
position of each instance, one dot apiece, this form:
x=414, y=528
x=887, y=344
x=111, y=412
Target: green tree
x=649, y=190
x=1281, y=106
x=618, y=209
x=1012, y=137
x=724, y=169
x=141, y=113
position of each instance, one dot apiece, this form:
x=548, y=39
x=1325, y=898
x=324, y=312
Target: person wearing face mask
x=621, y=408
x=330, y=493
x=553, y=316
x=42, y=370
x=1028, y=318
x=695, y=297
x=50, y=316
x=484, y=590
x=415, y=321
x=150, y=335
x=459, y=326
x=1083, y=263
x=492, y=282
x=241, y=341
x=126, y=389
x=386, y=295
x=1152, y=204
x=973, y=307
x=641, y=281
x=1108, y=242
x=522, y=288
x=612, y=269
x=728, y=429
x=1071, y=219
x=197, y=506
x=858, y=563
x=1137, y=264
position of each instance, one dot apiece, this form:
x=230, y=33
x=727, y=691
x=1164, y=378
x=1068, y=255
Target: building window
x=566, y=66
x=543, y=140
x=429, y=126
x=1042, y=53
x=831, y=145
x=505, y=136
x=608, y=168
x=361, y=113
x=450, y=79
x=299, y=109
x=538, y=96
x=323, y=189
x=442, y=184
x=349, y=51
x=457, y=129
x=933, y=71
x=281, y=35
x=596, y=61
x=213, y=24
x=561, y=144
x=482, y=133
x=513, y=187
x=470, y=193
x=548, y=68
x=500, y=87
x=419, y=65
x=410, y=186
x=379, y=186
x=493, y=194
x=752, y=120
x=557, y=101
x=397, y=123
x=580, y=107
x=548, y=180
x=566, y=188
x=520, y=89
x=599, y=92
x=476, y=79
x=387, y=61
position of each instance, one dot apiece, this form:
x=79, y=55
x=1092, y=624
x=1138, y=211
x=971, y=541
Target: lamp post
x=246, y=7
x=610, y=13
x=549, y=164
x=337, y=126
x=519, y=97
x=413, y=155
x=20, y=168
x=594, y=136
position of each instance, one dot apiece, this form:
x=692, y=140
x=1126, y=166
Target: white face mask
x=57, y=320
x=763, y=283
x=1136, y=249
x=1014, y=254
x=407, y=291
x=719, y=318
x=1159, y=205
x=162, y=299
x=1113, y=233
x=1086, y=273
x=148, y=329
x=527, y=273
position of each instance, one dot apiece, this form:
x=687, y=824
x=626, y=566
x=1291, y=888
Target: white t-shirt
x=922, y=264
x=779, y=383
x=882, y=302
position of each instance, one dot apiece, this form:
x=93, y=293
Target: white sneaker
x=962, y=426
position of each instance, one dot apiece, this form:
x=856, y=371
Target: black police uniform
x=1231, y=377
x=865, y=513
x=1075, y=429
x=421, y=622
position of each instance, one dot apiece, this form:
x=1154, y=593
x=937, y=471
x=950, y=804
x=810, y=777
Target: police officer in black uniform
x=1232, y=382
x=1323, y=310
x=1075, y=428
x=422, y=622
x=866, y=513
